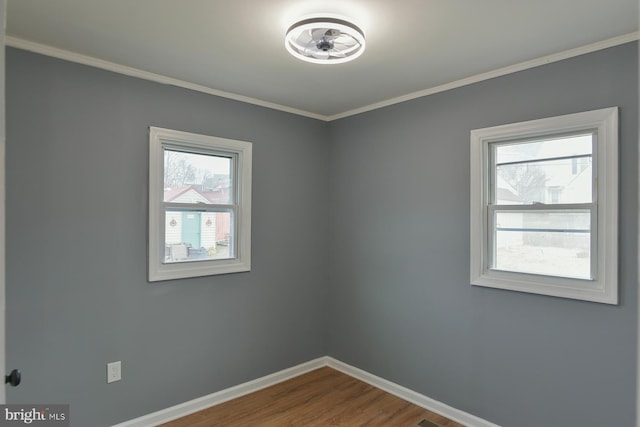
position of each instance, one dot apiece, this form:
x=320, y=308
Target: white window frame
x=603, y=287
x=241, y=154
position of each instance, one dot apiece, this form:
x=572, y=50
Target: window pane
x=198, y=236
x=549, y=243
x=197, y=178
x=574, y=145
x=549, y=171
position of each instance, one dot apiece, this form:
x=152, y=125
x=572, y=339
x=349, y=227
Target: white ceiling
x=236, y=47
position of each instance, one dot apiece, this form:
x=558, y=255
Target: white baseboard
x=204, y=402
x=409, y=395
x=222, y=396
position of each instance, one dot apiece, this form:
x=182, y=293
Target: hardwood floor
x=324, y=397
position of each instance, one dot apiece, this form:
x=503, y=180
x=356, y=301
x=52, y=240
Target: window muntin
x=199, y=205
x=544, y=200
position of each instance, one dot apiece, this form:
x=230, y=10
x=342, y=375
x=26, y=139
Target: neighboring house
x=192, y=235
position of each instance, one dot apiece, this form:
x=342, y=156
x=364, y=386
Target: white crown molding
x=615, y=41
x=146, y=75
x=222, y=396
x=134, y=72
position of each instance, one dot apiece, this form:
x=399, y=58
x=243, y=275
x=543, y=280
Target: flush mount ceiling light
x=325, y=40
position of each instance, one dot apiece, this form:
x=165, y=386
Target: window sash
x=493, y=210
x=233, y=245
x=492, y=180
x=231, y=207
x=233, y=172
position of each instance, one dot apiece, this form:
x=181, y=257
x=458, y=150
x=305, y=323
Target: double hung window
x=199, y=205
x=544, y=206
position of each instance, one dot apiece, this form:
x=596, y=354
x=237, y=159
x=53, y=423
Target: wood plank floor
x=324, y=397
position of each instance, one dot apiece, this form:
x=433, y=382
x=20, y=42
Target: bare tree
x=527, y=180
x=178, y=172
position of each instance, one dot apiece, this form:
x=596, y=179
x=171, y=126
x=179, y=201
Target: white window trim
x=159, y=138
x=604, y=287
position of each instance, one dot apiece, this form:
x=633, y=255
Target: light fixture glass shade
x=325, y=40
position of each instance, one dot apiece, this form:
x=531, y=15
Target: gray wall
x=401, y=303
x=360, y=251
x=77, y=294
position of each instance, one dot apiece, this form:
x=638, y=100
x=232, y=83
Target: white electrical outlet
x=114, y=371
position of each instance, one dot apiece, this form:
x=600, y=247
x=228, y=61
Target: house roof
x=216, y=196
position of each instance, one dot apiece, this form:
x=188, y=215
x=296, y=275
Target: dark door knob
x=13, y=378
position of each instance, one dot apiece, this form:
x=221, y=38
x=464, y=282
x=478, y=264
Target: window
x=544, y=206
x=199, y=205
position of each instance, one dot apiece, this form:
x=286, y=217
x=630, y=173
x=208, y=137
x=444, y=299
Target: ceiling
x=235, y=48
